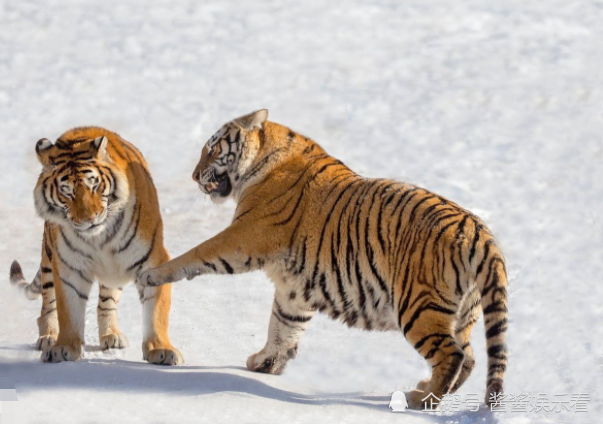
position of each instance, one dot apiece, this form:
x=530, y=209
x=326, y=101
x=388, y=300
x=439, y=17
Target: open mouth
x=221, y=186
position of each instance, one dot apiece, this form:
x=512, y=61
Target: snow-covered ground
x=496, y=105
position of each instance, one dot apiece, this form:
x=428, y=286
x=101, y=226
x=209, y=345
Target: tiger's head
x=227, y=156
x=78, y=185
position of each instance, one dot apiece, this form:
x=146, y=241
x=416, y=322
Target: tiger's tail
x=32, y=290
x=492, y=281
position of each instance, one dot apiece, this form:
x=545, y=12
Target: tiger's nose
x=197, y=176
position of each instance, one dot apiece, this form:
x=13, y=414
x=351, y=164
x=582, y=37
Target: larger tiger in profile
x=102, y=222
x=374, y=253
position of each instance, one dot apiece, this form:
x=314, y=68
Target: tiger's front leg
x=235, y=250
x=72, y=287
x=156, y=345
x=48, y=322
x=288, y=323
x=156, y=301
x=110, y=336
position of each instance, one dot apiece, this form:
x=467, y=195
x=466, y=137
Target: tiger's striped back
x=380, y=254
x=374, y=253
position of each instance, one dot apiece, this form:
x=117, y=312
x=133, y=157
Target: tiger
x=101, y=223
x=375, y=254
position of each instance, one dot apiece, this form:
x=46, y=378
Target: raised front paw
x=147, y=279
x=164, y=356
x=64, y=352
x=46, y=341
x=114, y=341
x=268, y=364
x=158, y=276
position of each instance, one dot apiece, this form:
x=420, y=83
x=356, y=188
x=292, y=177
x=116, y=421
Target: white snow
x=495, y=105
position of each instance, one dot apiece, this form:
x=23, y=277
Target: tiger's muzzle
x=91, y=226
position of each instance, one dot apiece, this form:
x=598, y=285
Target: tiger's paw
x=64, y=352
x=158, y=276
x=423, y=384
x=46, y=341
x=419, y=400
x=267, y=364
x=494, y=391
x=164, y=356
x=114, y=341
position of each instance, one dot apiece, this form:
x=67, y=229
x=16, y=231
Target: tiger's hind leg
x=432, y=335
x=467, y=319
x=110, y=336
x=468, y=316
x=288, y=323
x=43, y=283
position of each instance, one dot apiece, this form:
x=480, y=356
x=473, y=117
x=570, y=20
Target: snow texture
x=495, y=105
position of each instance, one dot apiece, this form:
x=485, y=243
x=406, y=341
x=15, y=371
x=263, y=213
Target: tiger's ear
x=44, y=148
x=254, y=120
x=99, y=144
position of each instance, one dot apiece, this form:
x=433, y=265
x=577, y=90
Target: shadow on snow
x=117, y=375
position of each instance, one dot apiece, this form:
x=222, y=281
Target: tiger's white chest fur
x=110, y=257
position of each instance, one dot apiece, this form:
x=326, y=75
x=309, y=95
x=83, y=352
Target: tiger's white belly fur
x=380, y=318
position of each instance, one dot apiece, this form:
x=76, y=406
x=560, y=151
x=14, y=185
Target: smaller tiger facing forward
x=374, y=253
x=102, y=222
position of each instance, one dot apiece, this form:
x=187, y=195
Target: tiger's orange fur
x=102, y=223
x=374, y=253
